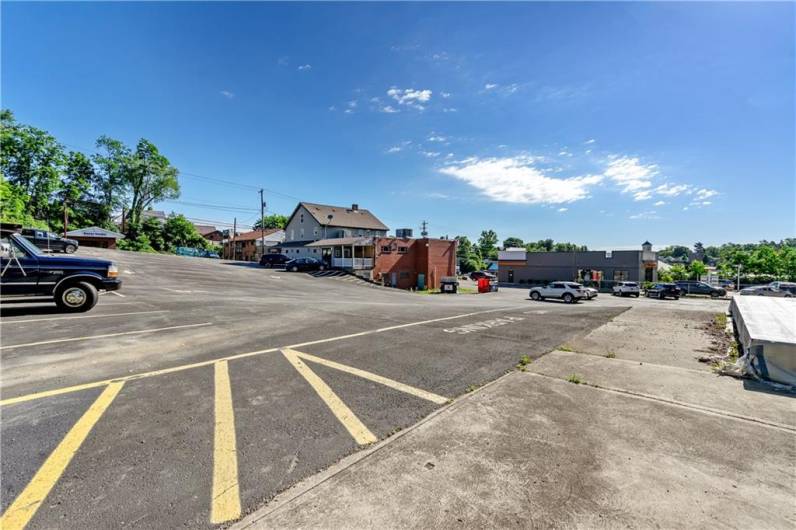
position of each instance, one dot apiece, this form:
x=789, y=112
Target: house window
x=620, y=276
x=292, y=234
x=386, y=249
x=301, y=218
x=315, y=251
x=403, y=250
x=301, y=233
x=346, y=252
x=315, y=231
x=338, y=252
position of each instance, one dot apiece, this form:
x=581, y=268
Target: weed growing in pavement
x=472, y=388
x=564, y=347
x=524, y=361
x=720, y=321
x=611, y=355
x=574, y=378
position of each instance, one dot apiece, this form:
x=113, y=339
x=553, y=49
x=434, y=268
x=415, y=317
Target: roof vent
x=355, y=207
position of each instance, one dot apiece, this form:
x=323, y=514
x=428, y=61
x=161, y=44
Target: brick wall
x=434, y=258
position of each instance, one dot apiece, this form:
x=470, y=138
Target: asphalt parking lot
x=203, y=388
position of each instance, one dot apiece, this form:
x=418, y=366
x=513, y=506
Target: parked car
x=662, y=290
x=626, y=289
x=477, y=275
x=591, y=292
x=305, y=264
x=727, y=284
x=695, y=287
x=48, y=241
x=273, y=260
x=781, y=289
x=569, y=292
x=28, y=275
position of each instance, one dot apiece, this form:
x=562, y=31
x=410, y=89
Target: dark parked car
x=48, y=241
x=782, y=289
x=28, y=275
x=273, y=260
x=694, y=287
x=662, y=290
x=305, y=264
x=477, y=275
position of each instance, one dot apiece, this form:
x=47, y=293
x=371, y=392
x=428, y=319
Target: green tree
x=31, y=160
x=75, y=193
x=150, y=178
x=487, y=244
x=665, y=275
x=513, y=242
x=14, y=206
x=699, y=251
x=153, y=229
x=468, y=255
x=765, y=260
x=113, y=162
x=569, y=247
x=678, y=272
x=180, y=232
x=676, y=251
x=697, y=269
x=271, y=221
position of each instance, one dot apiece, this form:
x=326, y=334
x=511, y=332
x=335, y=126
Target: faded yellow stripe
x=226, y=498
x=430, y=396
x=345, y=415
x=25, y=505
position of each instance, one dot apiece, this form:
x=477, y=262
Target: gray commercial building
x=592, y=267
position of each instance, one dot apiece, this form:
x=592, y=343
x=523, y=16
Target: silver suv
x=569, y=292
x=626, y=289
x=783, y=289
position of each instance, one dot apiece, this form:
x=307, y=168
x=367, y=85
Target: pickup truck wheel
x=294, y=268
x=714, y=295
x=70, y=249
x=568, y=298
x=535, y=296
x=76, y=297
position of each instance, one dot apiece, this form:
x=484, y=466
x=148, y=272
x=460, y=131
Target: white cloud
x=410, y=97
x=517, y=180
x=388, y=109
x=630, y=174
x=430, y=154
x=450, y=109
x=704, y=193
x=395, y=149
x=441, y=56
x=227, y=94
x=352, y=104
x=437, y=138
x=438, y=195
x=659, y=203
x=304, y=67
x=642, y=195
x=349, y=111
x=649, y=214
x=672, y=190
x=590, y=141
x=445, y=95
x=563, y=209
x=490, y=86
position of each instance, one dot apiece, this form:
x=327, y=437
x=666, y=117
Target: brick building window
x=386, y=249
x=403, y=250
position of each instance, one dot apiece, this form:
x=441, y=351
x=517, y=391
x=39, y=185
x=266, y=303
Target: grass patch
x=720, y=321
x=472, y=388
x=610, y=355
x=524, y=361
x=564, y=347
x=575, y=378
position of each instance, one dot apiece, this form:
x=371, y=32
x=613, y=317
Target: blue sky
x=604, y=124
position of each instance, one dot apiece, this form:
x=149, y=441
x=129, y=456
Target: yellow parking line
x=163, y=371
x=56, y=341
x=25, y=505
x=345, y=415
x=430, y=396
x=226, y=498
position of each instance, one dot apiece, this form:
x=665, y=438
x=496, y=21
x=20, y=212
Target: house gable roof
x=256, y=234
x=341, y=216
x=95, y=231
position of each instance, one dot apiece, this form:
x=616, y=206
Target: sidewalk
x=636, y=444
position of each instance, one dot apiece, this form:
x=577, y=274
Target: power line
x=224, y=207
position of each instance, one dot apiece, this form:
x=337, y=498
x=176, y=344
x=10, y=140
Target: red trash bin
x=483, y=285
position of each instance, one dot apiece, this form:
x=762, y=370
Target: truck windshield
x=24, y=246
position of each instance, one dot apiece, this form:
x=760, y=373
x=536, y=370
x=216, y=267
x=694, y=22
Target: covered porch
x=349, y=253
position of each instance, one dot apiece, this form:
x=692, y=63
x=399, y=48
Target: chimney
x=355, y=207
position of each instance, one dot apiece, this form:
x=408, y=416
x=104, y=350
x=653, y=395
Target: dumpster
x=449, y=284
x=483, y=285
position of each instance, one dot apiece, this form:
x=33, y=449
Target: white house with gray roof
x=312, y=222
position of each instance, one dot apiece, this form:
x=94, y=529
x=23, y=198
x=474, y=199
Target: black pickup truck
x=48, y=241
x=29, y=275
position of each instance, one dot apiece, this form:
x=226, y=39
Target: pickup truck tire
x=714, y=294
x=70, y=249
x=535, y=296
x=568, y=298
x=635, y=294
x=294, y=268
x=76, y=297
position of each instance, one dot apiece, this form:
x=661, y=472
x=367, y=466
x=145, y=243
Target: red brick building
x=399, y=262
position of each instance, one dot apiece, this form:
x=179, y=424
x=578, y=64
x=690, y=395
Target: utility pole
x=262, y=224
x=66, y=220
x=234, y=231
x=424, y=227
